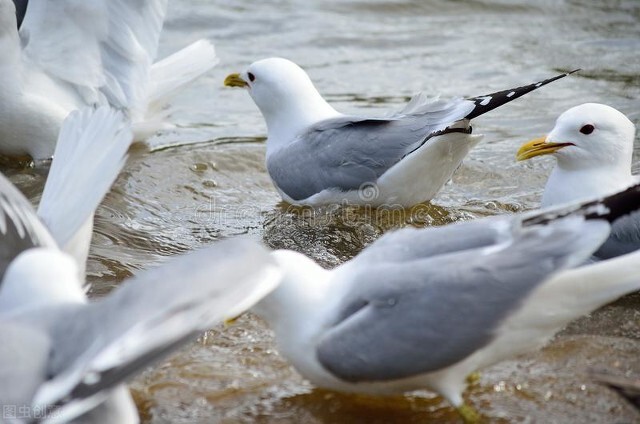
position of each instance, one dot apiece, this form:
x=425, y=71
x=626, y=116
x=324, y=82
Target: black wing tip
x=488, y=102
x=609, y=208
x=447, y=130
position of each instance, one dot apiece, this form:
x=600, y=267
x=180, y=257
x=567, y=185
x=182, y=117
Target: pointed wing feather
x=90, y=152
x=488, y=102
x=160, y=309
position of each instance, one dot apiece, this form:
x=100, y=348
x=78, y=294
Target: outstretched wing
x=434, y=312
x=90, y=152
x=106, y=45
x=155, y=312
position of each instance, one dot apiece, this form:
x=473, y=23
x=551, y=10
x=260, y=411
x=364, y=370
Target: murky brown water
x=366, y=57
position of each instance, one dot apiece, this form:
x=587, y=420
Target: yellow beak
x=538, y=147
x=228, y=322
x=234, y=80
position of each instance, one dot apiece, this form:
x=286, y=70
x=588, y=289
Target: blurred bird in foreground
x=425, y=308
x=67, y=357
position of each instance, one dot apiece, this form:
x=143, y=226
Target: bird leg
x=473, y=378
x=469, y=414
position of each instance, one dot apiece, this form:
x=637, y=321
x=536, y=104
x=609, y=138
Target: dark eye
x=587, y=129
x=252, y=77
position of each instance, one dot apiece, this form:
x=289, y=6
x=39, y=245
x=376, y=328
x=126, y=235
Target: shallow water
x=366, y=57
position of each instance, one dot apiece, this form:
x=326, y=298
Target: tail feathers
x=488, y=102
x=90, y=152
x=177, y=70
x=609, y=208
x=166, y=78
x=576, y=292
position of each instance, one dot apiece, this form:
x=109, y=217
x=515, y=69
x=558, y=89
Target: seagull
x=593, y=147
x=425, y=308
x=68, y=54
x=317, y=155
x=66, y=355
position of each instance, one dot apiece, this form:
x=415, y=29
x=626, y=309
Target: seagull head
x=585, y=137
x=284, y=94
x=40, y=276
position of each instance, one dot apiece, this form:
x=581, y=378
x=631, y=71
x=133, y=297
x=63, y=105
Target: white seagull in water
x=317, y=155
x=68, y=54
x=425, y=308
x=593, y=147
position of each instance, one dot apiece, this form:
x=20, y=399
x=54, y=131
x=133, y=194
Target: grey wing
x=346, y=152
x=90, y=152
x=157, y=311
x=412, y=243
x=424, y=315
x=24, y=354
x=624, y=238
x=20, y=227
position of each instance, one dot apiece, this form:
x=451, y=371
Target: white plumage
x=593, y=147
x=71, y=53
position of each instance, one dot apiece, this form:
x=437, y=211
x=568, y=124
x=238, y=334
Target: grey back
x=344, y=153
x=422, y=315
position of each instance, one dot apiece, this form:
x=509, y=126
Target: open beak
x=538, y=147
x=234, y=80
